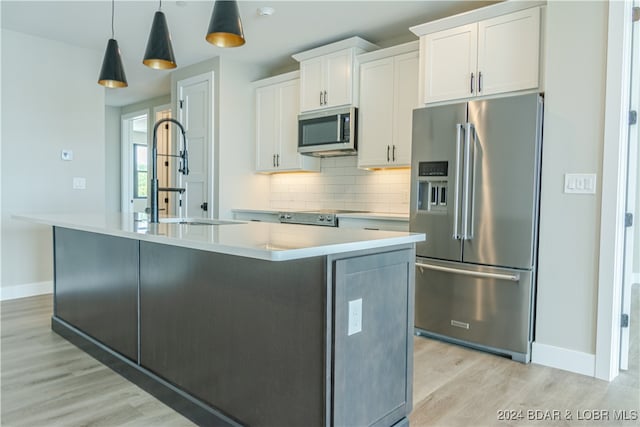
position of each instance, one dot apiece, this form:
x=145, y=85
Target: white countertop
x=357, y=215
x=261, y=240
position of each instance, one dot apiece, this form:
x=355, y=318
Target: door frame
x=126, y=165
x=614, y=168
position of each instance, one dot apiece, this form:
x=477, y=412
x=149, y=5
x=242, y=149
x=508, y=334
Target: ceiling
x=294, y=27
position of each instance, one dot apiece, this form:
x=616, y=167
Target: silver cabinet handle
x=456, y=186
x=274, y=161
x=472, y=83
x=479, y=81
x=278, y=160
x=394, y=153
x=320, y=97
x=387, y=154
x=466, y=181
x=326, y=98
x=510, y=277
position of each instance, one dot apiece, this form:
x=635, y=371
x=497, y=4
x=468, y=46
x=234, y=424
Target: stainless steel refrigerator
x=475, y=193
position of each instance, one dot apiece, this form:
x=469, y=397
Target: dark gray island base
x=232, y=340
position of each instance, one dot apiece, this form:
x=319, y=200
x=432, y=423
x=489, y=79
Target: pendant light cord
x=160, y=7
x=113, y=3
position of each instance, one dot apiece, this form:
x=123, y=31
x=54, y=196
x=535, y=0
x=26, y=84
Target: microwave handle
x=340, y=121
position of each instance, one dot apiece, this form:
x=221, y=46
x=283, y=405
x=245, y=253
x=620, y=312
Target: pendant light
x=159, y=53
x=225, y=27
x=112, y=72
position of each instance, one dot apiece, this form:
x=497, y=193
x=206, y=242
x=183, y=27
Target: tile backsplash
x=341, y=185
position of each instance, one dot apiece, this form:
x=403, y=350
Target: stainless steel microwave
x=328, y=133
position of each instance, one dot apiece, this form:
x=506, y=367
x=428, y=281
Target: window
x=140, y=171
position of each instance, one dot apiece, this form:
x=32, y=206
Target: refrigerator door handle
x=466, y=207
x=482, y=274
x=456, y=186
x=470, y=181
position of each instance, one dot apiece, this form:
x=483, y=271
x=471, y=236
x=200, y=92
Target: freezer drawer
x=485, y=307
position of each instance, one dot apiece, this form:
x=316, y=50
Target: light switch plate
x=66, y=155
x=79, y=183
x=580, y=183
x=355, y=317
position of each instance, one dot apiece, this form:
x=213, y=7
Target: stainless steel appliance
x=475, y=192
x=325, y=217
x=328, y=133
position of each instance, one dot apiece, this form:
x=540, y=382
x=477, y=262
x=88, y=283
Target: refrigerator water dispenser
x=432, y=186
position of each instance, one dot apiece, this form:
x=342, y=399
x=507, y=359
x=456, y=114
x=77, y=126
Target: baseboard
x=563, y=358
x=26, y=290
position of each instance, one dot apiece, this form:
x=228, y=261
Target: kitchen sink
x=199, y=221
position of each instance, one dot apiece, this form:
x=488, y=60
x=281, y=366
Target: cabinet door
x=311, y=85
x=287, y=124
x=405, y=100
x=266, y=135
x=375, y=115
x=508, y=51
x=449, y=60
x=338, y=78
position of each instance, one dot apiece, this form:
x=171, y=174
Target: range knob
x=320, y=217
x=287, y=216
x=281, y=216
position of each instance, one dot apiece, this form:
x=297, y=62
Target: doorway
x=629, y=345
x=135, y=161
x=169, y=203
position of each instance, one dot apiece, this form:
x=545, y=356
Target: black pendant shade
x=159, y=53
x=112, y=71
x=225, y=27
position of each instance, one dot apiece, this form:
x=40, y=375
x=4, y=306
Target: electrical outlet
x=355, y=317
x=79, y=183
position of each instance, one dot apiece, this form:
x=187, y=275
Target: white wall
x=50, y=101
x=341, y=185
x=576, y=38
x=112, y=159
x=239, y=185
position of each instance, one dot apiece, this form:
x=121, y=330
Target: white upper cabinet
x=329, y=74
x=388, y=95
x=491, y=56
x=277, y=127
x=508, y=52
x=327, y=81
x=450, y=59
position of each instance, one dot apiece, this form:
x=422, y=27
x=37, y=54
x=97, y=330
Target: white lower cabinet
x=277, y=127
x=374, y=224
x=388, y=95
x=259, y=216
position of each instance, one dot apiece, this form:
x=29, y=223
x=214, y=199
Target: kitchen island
x=235, y=323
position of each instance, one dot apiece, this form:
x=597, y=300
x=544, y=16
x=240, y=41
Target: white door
x=633, y=193
x=195, y=113
x=135, y=161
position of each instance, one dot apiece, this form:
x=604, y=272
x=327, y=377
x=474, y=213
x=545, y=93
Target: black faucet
x=184, y=169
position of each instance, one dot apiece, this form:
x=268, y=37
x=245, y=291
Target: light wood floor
x=46, y=381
